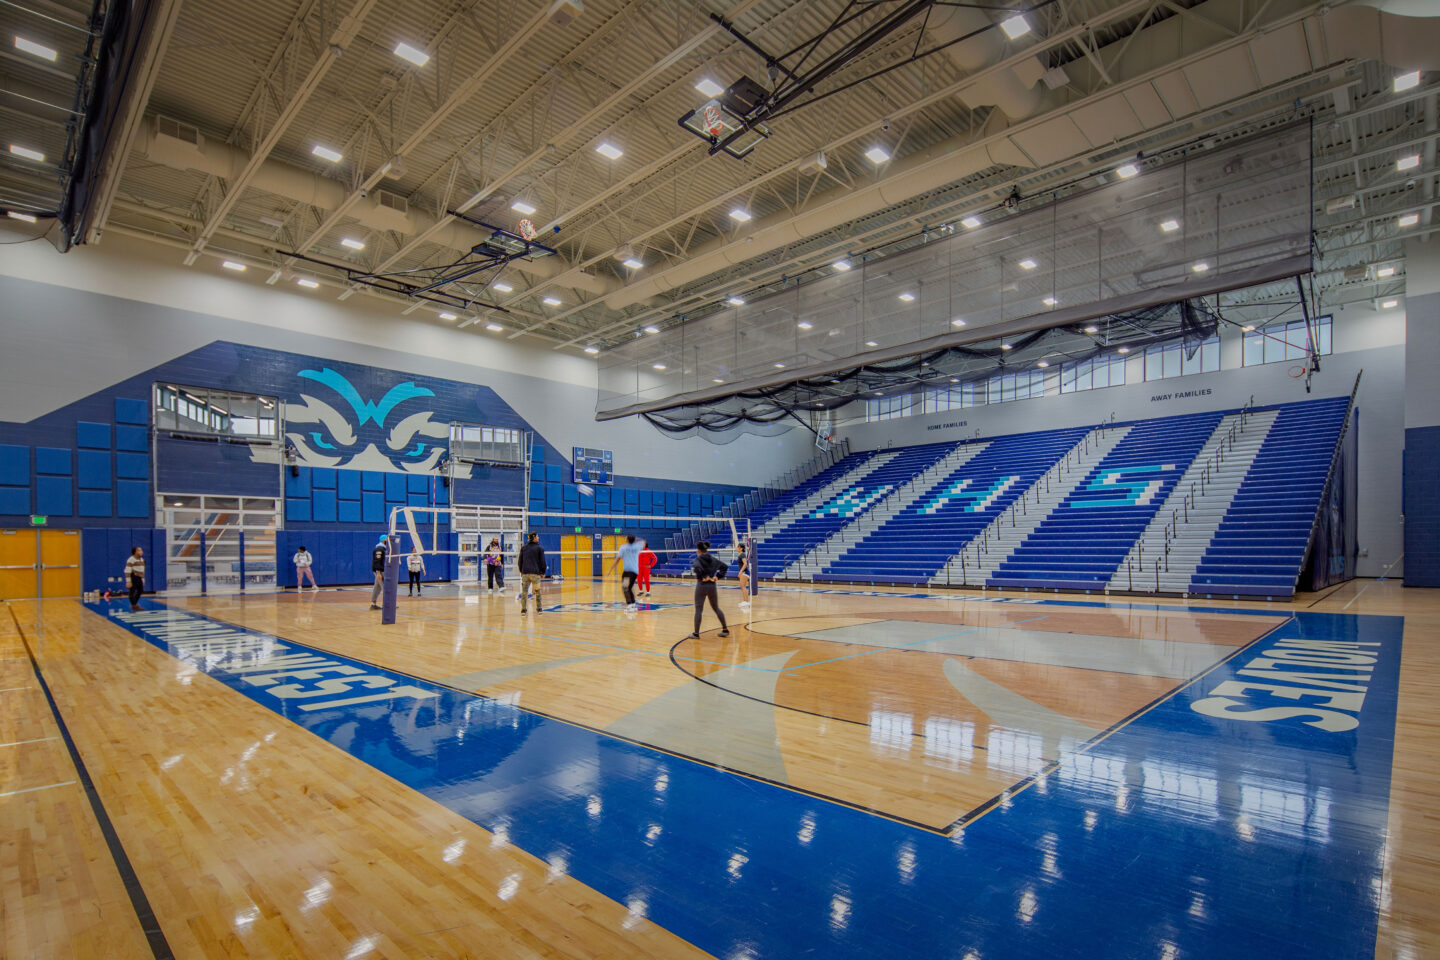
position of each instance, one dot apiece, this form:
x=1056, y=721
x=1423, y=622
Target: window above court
x=215, y=412
x=1287, y=341
x=1092, y=374
x=1182, y=359
x=479, y=443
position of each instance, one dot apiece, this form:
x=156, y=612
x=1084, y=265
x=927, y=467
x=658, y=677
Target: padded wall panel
x=297, y=510
x=14, y=501
x=395, y=487
x=347, y=484
x=52, y=460
x=322, y=506
x=322, y=478
x=297, y=486
x=372, y=506
x=54, y=496
x=132, y=438
x=95, y=503
x=372, y=480
x=94, y=472
x=132, y=466
x=132, y=498
x=132, y=411
x=348, y=511
x=14, y=465
x=93, y=435
x=417, y=483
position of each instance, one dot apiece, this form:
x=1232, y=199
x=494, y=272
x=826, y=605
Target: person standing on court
x=744, y=577
x=629, y=557
x=494, y=564
x=303, y=561
x=532, y=572
x=415, y=564
x=647, y=563
x=377, y=566
x=708, y=571
x=135, y=576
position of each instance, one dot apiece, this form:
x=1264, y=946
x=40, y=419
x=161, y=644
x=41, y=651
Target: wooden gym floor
x=850, y=773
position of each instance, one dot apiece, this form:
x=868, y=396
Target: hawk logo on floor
x=348, y=430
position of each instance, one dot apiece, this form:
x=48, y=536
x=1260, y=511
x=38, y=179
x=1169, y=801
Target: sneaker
x=744, y=603
x=374, y=606
x=724, y=633
x=693, y=636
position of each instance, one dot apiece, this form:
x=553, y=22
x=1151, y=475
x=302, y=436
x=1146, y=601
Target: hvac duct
x=172, y=145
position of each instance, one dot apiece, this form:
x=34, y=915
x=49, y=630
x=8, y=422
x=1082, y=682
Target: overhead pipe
x=225, y=161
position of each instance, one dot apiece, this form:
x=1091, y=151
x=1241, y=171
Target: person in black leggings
x=708, y=571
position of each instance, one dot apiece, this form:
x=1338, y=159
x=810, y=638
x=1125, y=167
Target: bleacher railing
x=1329, y=479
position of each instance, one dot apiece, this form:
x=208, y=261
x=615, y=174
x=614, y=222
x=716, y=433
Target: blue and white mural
x=1126, y=487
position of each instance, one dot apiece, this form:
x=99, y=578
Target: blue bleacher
x=1260, y=544
x=799, y=536
x=1086, y=537
x=918, y=541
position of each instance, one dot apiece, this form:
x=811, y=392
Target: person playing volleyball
x=648, y=559
x=744, y=576
x=708, y=572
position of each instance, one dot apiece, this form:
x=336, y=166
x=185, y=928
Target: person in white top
x=415, y=564
x=302, y=561
x=135, y=576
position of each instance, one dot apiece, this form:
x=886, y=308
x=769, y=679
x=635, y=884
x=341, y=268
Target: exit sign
x=38, y=521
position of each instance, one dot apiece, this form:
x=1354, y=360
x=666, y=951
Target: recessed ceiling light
x=449, y=316
x=632, y=263
x=1409, y=220
x=502, y=287
x=652, y=329
x=709, y=87
x=1016, y=27
x=907, y=297
x=494, y=327
x=779, y=366
x=522, y=208
x=1123, y=350
x=1051, y=301
x=1092, y=329
x=717, y=380
x=736, y=301
x=1200, y=267
x=1407, y=163
x=1407, y=80
x=309, y=284
x=592, y=350
x=1126, y=171
x=406, y=52
x=879, y=393
x=970, y=223
x=1027, y=264
x=325, y=153
x=1385, y=272
x=35, y=49
x=805, y=325
x=1248, y=328
x=657, y=366
x=740, y=214
x=877, y=155
x=841, y=265
x=14, y=215
x=232, y=265
x=1043, y=363
x=1389, y=304
x=957, y=322
x=1006, y=346
x=609, y=150
x=954, y=379
x=1170, y=226
x=352, y=243
x=27, y=153
x=551, y=302
x=871, y=343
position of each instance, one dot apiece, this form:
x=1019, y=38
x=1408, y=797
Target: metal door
x=59, y=563
x=19, y=572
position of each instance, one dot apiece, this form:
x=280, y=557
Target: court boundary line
x=139, y=902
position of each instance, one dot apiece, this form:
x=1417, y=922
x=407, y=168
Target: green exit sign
x=38, y=521
x=579, y=529
x=617, y=529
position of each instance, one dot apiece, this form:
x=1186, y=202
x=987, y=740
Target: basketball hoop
x=527, y=229
x=713, y=123
x=1297, y=371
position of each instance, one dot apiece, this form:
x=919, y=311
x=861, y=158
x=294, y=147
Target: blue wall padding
x=14, y=465
x=416, y=483
x=348, y=511
x=103, y=551
x=132, y=466
x=348, y=484
x=135, y=439
x=372, y=506
x=132, y=498
x=54, y=460
x=372, y=480
x=297, y=486
x=94, y=471
x=322, y=478
x=93, y=435
x=14, y=501
x=132, y=411
x=95, y=503
x=322, y=509
x=395, y=487
x=54, y=496
x=297, y=510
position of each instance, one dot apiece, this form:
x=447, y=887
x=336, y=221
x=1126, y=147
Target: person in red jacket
x=647, y=563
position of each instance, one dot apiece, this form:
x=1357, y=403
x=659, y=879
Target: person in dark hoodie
x=708, y=572
x=532, y=571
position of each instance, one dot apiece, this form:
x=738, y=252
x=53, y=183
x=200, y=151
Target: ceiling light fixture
x=740, y=215
x=633, y=263
x=449, y=316
x=907, y=297
x=1248, y=328
x=1051, y=302
x=957, y=322
x=1170, y=226
x=494, y=327
x=971, y=222
x=1043, y=364
x=1200, y=267
x=610, y=151
x=841, y=265
x=805, y=325
x=35, y=49
x=27, y=153
x=1385, y=272
x=326, y=153
x=501, y=287
x=871, y=343
x=352, y=243
x=592, y=350
x=309, y=284
x=232, y=265
x=1092, y=329
x=736, y=301
x=1126, y=171
x=657, y=366
x=716, y=380
x=1409, y=220
x=877, y=155
x=1006, y=346
x=522, y=208
x=1027, y=264
x=1408, y=163
x=1016, y=27
x=406, y=52
x=551, y=302
x=652, y=329
x=1406, y=81
x=1389, y=304
x=1123, y=350
x=709, y=87
x=779, y=366
x=14, y=215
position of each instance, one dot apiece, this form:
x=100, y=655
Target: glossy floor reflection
x=847, y=775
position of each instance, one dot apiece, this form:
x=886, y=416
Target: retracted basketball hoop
x=713, y=123
x=527, y=229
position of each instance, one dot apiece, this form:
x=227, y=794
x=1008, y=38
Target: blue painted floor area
x=1242, y=817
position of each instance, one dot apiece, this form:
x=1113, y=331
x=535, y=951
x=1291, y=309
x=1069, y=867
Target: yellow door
x=59, y=563
x=569, y=547
x=17, y=564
